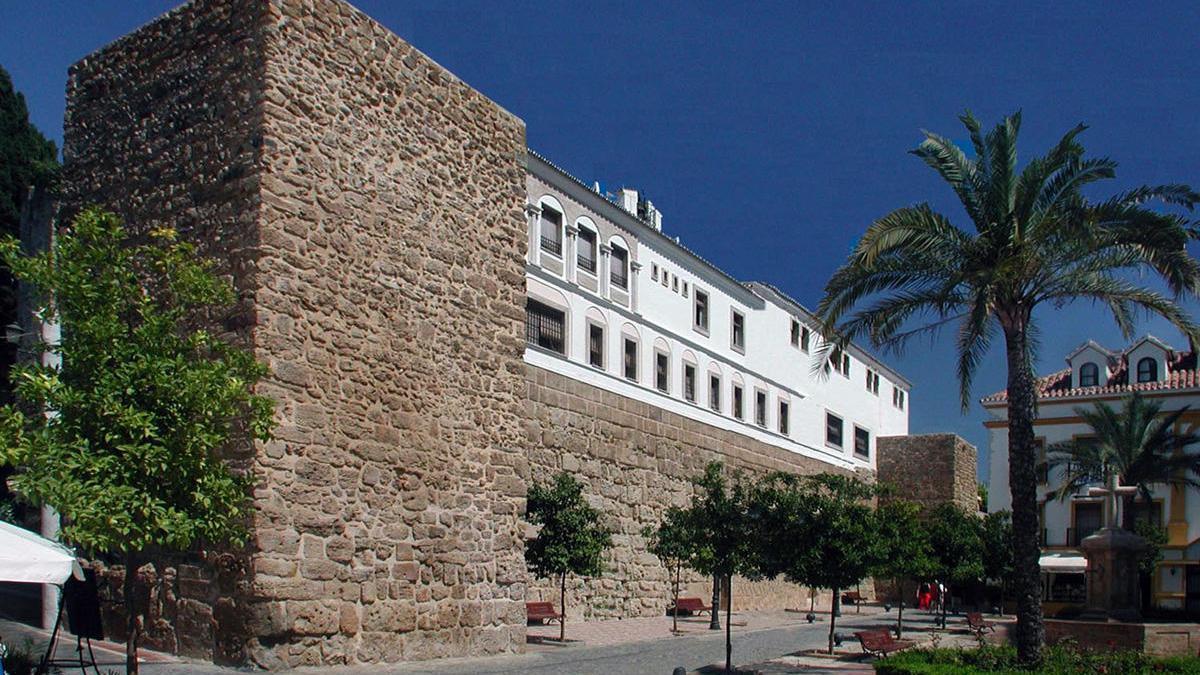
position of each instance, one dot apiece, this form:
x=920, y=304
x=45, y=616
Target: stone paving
x=766, y=642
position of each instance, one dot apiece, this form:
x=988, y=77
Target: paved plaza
x=769, y=642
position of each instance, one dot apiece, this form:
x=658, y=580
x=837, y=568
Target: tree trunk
x=900, y=618
x=131, y=625
x=715, y=622
x=833, y=612
x=675, y=600
x=562, y=603
x=1022, y=480
x=728, y=624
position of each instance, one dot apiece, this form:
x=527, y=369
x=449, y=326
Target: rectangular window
x=631, y=359
x=653, y=272
x=689, y=382
x=544, y=326
x=738, y=411
x=862, y=442
x=586, y=256
x=1137, y=510
x=714, y=393
x=784, y=423
x=833, y=430
x=551, y=231
x=700, y=318
x=804, y=338
x=760, y=408
x=596, y=345
x=898, y=397
x=675, y=284
x=1088, y=519
x=738, y=332
x=873, y=382
x=846, y=365
x=795, y=333
x=685, y=289
x=661, y=371
x=666, y=280
x=620, y=267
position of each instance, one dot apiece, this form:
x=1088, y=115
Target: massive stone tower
x=368, y=206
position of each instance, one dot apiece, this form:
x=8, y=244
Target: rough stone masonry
x=368, y=206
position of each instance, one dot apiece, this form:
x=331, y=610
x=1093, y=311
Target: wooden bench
x=541, y=612
x=689, y=606
x=852, y=598
x=978, y=624
x=881, y=642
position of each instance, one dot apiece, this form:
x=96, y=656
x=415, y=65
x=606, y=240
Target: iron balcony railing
x=552, y=245
x=588, y=264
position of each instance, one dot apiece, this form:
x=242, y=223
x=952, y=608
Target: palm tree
x=1036, y=240
x=1133, y=446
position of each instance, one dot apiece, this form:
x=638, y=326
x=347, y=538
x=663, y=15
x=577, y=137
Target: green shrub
x=1059, y=660
x=21, y=660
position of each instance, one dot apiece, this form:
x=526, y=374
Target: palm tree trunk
x=715, y=622
x=131, y=617
x=1022, y=480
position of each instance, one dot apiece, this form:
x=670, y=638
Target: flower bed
x=1003, y=660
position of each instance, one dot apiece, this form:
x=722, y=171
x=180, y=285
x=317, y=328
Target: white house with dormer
x=1095, y=374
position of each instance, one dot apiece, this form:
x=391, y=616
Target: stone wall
x=635, y=461
x=929, y=469
x=368, y=206
x=164, y=127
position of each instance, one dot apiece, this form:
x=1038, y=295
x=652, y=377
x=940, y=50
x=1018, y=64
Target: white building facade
x=615, y=303
x=1096, y=374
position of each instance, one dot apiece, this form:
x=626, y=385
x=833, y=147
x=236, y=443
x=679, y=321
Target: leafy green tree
x=27, y=159
x=982, y=490
x=956, y=544
x=1137, y=445
x=1034, y=241
x=723, y=531
x=126, y=440
x=674, y=543
x=998, y=565
x=571, y=539
x=818, y=531
x=902, y=550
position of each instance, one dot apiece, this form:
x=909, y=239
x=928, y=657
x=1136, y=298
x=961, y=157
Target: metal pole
x=51, y=595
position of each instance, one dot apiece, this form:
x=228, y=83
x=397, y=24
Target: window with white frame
x=551, y=231
x=784, y=417
x=1089, y=375
x=760, y=407
x=620, y=267
x=795, y=333
x=738, y=402
x=833, y=430
x=545, y=326
x=1147, y=370
x=898, y=397
x=689, y=382
x=662, y=371
x=805, y=337
x=862, y=442
x=872, y=382
x=714, y=392
x=586, y=256
x=700, y=311
x=596, y=345
x=631, y=359
x=737, y=332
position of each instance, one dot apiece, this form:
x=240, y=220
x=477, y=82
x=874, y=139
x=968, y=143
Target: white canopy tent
x=26, y=557
x=1063, y=563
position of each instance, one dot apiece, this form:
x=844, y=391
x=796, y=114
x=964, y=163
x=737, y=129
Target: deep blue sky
x=771, y=134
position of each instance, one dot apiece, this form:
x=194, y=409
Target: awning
x=1063, y=563
x=26, y=557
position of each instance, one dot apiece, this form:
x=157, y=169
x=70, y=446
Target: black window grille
x=586, y=256
x=551, y=232
x=545, y=326
x=620, y=268
x=596, y=345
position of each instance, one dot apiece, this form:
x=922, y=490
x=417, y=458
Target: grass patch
x=1059, y=660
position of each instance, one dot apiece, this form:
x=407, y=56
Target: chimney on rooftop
x=629, y=200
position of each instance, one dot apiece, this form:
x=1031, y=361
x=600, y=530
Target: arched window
x=1089, y=375
x=1147, y=370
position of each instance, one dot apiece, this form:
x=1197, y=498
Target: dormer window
x=1089, y=375
x=1147, y=370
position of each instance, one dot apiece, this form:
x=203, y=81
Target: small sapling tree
x=674, y=544
x=571, y=538
x=955, y=540
x=125, y=440
x=724, y=536
x=902, y=549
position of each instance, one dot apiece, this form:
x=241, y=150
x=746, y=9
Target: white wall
x=664, y=315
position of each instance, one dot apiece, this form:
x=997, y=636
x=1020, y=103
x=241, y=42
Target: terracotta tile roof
x=1181, y=374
